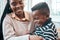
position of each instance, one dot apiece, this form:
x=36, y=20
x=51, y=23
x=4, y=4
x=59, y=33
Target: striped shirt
x=47, y=31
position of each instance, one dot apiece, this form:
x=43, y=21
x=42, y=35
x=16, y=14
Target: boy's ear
x=47, y=15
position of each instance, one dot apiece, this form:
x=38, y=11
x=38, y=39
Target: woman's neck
x=21, y=16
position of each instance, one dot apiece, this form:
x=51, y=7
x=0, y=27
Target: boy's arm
x=51, y=33
x=35, y=37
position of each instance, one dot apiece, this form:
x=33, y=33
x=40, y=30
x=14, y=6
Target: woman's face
x=39, y=17
x=17, y=6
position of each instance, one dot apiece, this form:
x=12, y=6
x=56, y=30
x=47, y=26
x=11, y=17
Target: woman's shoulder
x=28, y=14
x=8, y=16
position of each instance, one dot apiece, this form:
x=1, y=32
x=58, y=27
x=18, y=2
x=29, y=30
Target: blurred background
x=54, y=6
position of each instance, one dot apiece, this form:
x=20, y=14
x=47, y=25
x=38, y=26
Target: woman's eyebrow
x=13, y=3
x=20, y=0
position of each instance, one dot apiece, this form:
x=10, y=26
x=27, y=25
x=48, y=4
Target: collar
x=26, y=16
x=48, y=21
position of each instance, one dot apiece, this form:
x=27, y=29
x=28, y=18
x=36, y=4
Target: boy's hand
x=36, y=21
x=35, y=37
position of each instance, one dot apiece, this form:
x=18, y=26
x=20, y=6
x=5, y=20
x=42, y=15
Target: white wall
x=2, y=6
x=53, y=5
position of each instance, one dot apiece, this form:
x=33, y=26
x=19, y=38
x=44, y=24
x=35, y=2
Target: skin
x=39, y=17
x=17, y=6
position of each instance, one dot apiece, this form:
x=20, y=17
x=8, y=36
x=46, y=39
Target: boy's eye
x=14, y=3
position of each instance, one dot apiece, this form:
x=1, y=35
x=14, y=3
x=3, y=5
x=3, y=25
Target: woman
x=17, y=22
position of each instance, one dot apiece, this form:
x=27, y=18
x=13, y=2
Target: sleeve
x=32, y=27
x=51, y=34
x=8, y=31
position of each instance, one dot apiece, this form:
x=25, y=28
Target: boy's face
x=38, y=17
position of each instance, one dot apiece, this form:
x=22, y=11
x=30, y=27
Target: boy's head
x=41, y=12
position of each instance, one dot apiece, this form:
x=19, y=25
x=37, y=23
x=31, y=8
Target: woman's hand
x=35, y=37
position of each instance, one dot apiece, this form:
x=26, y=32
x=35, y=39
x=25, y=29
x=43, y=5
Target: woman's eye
x=14, y=3
x=20, y=2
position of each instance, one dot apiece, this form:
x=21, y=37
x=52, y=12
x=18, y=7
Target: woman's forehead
x=15, y=0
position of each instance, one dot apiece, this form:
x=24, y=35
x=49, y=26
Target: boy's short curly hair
x=43, y=7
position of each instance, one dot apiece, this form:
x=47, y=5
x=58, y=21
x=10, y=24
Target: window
x=54, y=6
x=55, y=10
x=2, y=6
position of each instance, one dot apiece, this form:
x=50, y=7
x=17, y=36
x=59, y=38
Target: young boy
x=44, y=27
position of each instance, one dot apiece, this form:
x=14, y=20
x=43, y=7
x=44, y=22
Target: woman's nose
x=19, y=7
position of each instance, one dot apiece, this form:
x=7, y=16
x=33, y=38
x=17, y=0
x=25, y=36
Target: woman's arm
x=8, y=30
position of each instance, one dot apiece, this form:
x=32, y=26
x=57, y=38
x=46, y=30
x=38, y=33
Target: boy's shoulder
x=49, y=23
